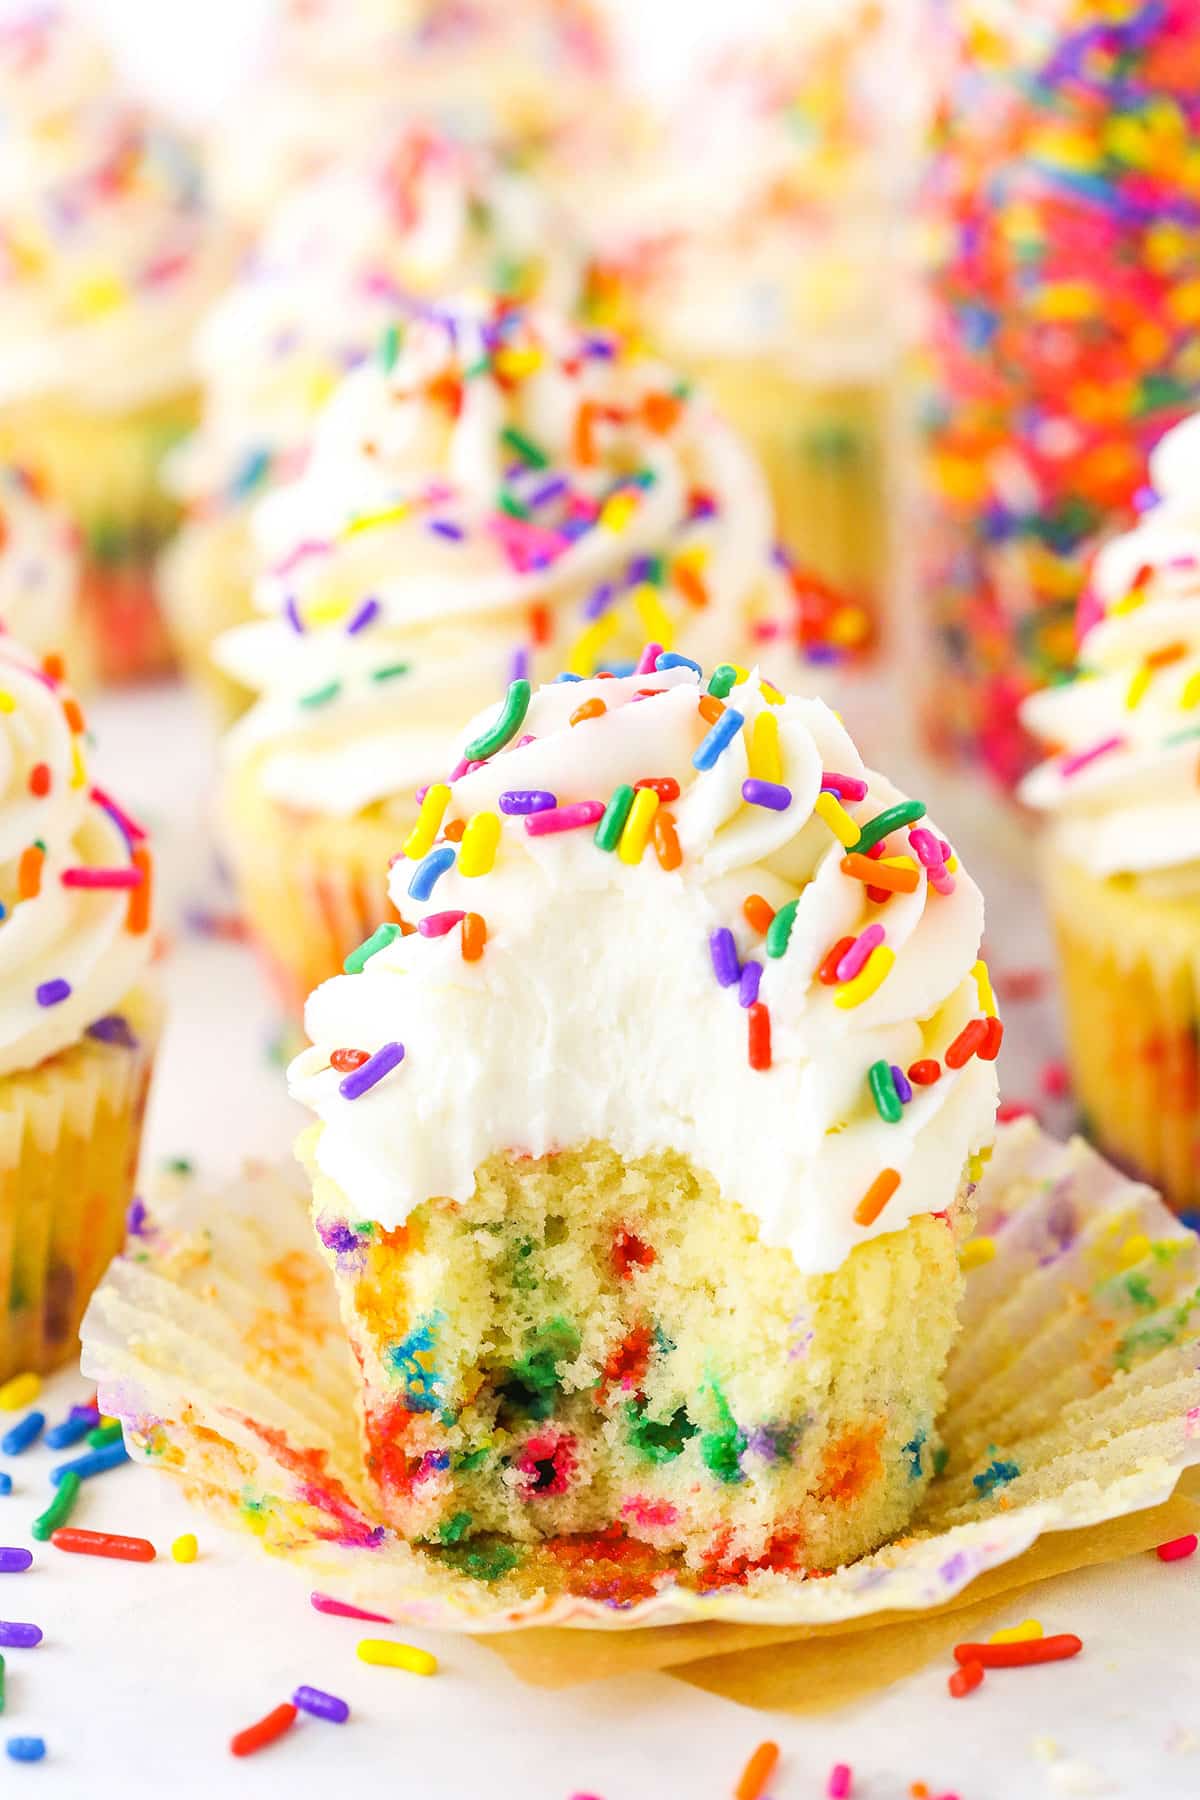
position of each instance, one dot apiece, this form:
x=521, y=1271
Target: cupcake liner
x=311, y=888
x=1130, y=984
x=69, y=1136
x=105, y=469
x=1073, y=1399
x=205, y=578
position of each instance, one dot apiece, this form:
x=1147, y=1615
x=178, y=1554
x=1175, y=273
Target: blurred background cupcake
x=107, y=257
x=39, y=569
x=377, y=233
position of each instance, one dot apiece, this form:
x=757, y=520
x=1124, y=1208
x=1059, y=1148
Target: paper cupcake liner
x=1074, y=1398
x=69, y=1137
x=105, y=469
x=1130, y=983
x=205, y=578
x=311, y=888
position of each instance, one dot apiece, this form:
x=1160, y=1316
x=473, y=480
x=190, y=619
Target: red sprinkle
x=1018, y=1656
x=965, y=1680
x=665, y=786
x=1013, y=1109
x=759, y=1035
x=103, y=1543
x=966, y=1044
x=828, y=971
x=346, y=1061
x=925, y=1072
x=993, y=1037
x=257, y=1737
x=39, y=780
x=1178, y=1548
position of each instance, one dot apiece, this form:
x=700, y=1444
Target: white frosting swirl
x=39, y=563
x=107, y=252
x=68, y=956
x=594, y=1010
x=510, y=486
x=1126, y=730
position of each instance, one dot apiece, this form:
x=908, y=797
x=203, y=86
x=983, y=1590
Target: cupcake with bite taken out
x=642, y=1160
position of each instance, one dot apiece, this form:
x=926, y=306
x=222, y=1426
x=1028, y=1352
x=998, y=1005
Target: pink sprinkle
x=436, y=925
x=564, y=818
x=859, y=951
x=129, y=826
x=928, y=849
x=1071, y=765
x=102, y=878
x=1178, y=1548
x=1054, y=1080
x=461, y=768
x=302, y=552
x=648, y=658
x=325, y=1603
x=840, y=1780
x=1013, y=1109
x=848, y=786
x=941, y=879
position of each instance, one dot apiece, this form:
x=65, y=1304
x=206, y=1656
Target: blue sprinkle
x=567, y=676
x=26, y=1431
x=5, y=1482
x=723, y=951
x=26, y=1749
x=671, y=659
x=429, y=870
x=111, y=1457
x=902, y=1085
x=748, y=985
x=997, y=1474
x=69, y=1431
x=719, y=738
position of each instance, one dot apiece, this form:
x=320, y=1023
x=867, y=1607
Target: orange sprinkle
x=585, y=434
x=540, y=629
x=53, y=665
x=757, y=1772
x=454, y=831
x=137, y=919
x=710, y=708
x=73, y=713
x=591, y=709
x=690, y=584
x=666, y=840
x=876, y=1197
x=474, y=937
x=1162, y=659
x=758, y=912
x=29, y=872
x=661, y=411
x=880, y=875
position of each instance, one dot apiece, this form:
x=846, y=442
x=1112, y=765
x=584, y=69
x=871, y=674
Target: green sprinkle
x=482, y=367
x=723, y=680
x=525, y=447
x=455, y=1528
x=380, y=938
x=512, y=717
x=178, y=1165
x=780, y=929
x=883, y=1092
x=472, y=1459
x=101, y=1435
x=659, y=1440
x=323, y=695
x=508, y=503
x=390, y=671
x=876, y=829
x=612, y=822
x=1181, y=737
x=389, y=348
x=483, y=1561
x=59, y=1509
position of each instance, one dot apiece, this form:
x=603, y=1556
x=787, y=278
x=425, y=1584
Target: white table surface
x=146, y=1671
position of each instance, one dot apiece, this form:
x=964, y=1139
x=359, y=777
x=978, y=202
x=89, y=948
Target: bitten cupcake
x=643, y=1160
x=1122, y=855
x=497, y=493
x=107, y=257
x=80, y=1017
x=414, y=216
x=39, y=568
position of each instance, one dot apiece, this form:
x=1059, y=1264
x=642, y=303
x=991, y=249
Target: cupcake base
x=69, y=1137
x=205, y=578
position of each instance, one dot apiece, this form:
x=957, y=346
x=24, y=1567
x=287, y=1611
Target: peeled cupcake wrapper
x=1073, y=1398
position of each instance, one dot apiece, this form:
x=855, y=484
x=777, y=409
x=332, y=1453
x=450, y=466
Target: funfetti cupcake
x=642, y=1162
x=415, y=215
x=1122, y=852
x=529, y=73
x=108, y=255
x=497, y=494
x=80, y=1016
x=39, y=568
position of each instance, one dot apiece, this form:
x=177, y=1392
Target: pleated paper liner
x=1074, y=1399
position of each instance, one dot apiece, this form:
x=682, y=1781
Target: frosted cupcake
x=39, y=568
x=416, y=215
x=496, y=493
x=1122, y=862
x=79, y=1017
x=107, y=257
x=528, y=73
x=643, y=1160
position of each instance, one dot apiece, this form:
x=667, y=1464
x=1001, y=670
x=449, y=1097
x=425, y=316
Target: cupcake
x=603, y=1291
x=107, y=257
x=39, y=568
x=378, y=232
x=1122, y=852
x=498, y=492
x=530, y=73
x=80, y=1017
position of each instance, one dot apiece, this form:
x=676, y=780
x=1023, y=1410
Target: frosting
x=107, y=253
x=39, y=563
x=500, y=489
x=613, y=981
x=416, y=215
x=74, y=876
x=1121, y=784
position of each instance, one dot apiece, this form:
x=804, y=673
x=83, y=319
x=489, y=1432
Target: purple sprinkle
x=14, y=1561
x=445, y=528
x=641, y=568
x=902, y=1085
x=527, y=800
x=291, y=613
x=723, y=951
x=113, y=1028
x=748, y=985
x=549, y=490
x=18, y=1637
x=90, y=1414
x=53, y=993
x=366, y=615
x=766, y=793
x=136, y=1217
x=337, y=1236
x=361, y=1080
x=599, y=600
x=518, y=667
x=321, y=1705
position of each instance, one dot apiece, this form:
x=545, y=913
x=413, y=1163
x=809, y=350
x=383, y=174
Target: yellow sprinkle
x=386, y=1655
x=632, y=841
x=976, y=1253
x=983, y=987
x=184, y=1548
x=898, y=862
x=21, y=1391
x=874, y=972
x=656, y=621
x=419, y=841
x=830, y=808
x=7, y=703
x=951, y=865
x=1137, y=687
x=390, y=515
x=1129, y=604
x=329, y=611
x=1135, y=1250
x=78, y=766
x=616, y=513
x=766, y=764
x=585, y=652
x=770, y=694
x=1023, y=1633
x=517, y=363
x=479, y=841
x=1191, y=691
